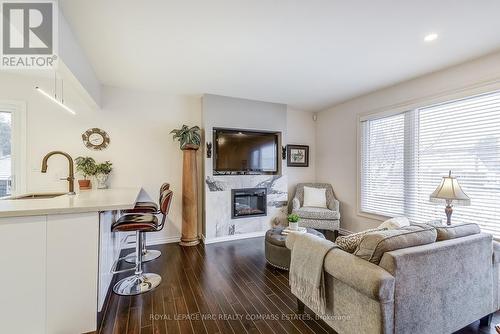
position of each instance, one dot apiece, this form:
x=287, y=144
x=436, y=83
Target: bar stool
x=146, y=207
x=140, y=282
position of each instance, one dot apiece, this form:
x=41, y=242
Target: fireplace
x=249, y=202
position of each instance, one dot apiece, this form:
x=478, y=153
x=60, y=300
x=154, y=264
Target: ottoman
x=276, y=252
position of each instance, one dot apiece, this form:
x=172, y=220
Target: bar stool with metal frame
x=146, y=207
x=141, y=223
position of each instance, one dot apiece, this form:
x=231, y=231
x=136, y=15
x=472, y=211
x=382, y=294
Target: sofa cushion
x=375, y=244
x=446, y=232
x=395, y=222
x=350, y=242
x=317, y=213
x=314, y=197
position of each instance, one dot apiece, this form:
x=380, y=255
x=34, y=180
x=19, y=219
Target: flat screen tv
x=245, y=152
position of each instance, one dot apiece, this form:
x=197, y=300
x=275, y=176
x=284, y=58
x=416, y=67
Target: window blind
x=382, y=180
x=462, y=136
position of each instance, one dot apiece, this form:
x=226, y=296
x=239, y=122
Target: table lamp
x=450, y=192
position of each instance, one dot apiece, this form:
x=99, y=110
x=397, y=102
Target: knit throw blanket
x=306, y=269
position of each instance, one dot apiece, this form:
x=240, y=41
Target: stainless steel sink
x=36, y=196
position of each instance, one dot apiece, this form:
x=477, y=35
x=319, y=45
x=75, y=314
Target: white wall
x=301, y=130
x=336, y=138
x=141, y=149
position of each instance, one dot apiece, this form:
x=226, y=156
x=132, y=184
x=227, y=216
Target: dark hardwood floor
x=219, y=288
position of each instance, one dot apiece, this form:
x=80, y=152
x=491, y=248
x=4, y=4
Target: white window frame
x=18, y=150
x=464, y=92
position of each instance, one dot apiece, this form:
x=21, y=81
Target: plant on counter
x=104, y=168
x=102, y=172
x=293, y=221
x=188, y=137
x=86, y=166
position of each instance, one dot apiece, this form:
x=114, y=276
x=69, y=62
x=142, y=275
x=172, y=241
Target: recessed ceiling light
x=431, y=37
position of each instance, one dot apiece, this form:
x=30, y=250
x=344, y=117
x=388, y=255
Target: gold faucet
x=70, y=178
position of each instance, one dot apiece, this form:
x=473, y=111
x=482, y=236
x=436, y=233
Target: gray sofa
x=433, y=288
x=317, y=218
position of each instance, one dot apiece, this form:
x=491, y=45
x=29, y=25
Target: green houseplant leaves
x=86, y=166
x=293, y=218
x=187, y=137
x=104, y=168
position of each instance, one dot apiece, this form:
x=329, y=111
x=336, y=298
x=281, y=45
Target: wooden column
x=189, y=235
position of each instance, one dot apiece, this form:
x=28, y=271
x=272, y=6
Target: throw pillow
x=395, y=223
x=349, y=243
x=315, y=197
x=454, y=231
x=375, y=244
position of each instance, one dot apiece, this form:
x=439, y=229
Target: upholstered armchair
x=317, y=218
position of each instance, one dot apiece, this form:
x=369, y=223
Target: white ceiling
x=309, y=54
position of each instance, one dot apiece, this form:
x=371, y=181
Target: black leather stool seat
x=136, y=222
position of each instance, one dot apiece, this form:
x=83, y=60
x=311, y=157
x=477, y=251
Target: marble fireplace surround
x=233, y=113
x=219, y=200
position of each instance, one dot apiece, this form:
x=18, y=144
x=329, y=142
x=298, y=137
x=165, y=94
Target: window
x=5, y=153
x=404, y=156
x=12, y=148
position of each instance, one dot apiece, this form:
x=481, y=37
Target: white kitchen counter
x=84, y=201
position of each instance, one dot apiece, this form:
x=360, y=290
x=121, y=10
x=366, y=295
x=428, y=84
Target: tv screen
x=243, y=151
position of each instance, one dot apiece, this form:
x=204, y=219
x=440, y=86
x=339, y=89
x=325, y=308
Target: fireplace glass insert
x=248, y=202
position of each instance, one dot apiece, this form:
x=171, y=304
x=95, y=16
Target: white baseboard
x=163, y=240
x=232, y=237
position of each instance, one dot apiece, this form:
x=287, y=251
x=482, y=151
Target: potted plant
x=189, y=140
x=102, y=172
x=293, y=222
x=188, y=137
x=86, y=167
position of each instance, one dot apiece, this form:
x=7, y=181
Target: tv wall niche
x=263, y=124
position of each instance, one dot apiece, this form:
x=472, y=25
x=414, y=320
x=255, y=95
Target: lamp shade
x=450, y=191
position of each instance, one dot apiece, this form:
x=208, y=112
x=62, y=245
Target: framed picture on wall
x=297, y=156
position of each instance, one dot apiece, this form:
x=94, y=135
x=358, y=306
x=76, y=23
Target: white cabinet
x=72, y=272
x=49, y=273
x=22, y=277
